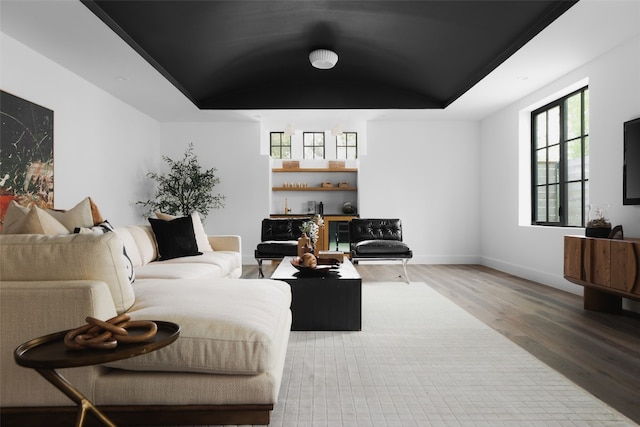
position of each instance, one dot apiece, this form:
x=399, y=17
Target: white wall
x=100, y=143
x=427, y=174
x=537, y=252
x=234, y=150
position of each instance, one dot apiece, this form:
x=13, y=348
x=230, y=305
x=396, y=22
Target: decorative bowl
x=318, y=270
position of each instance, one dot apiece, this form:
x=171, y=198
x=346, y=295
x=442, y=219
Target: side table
x=48, y=353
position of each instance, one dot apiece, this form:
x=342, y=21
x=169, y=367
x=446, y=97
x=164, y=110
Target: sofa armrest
x=30, y=309
x=232, y=243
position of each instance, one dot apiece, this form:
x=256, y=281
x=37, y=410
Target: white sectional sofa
x=225, y=368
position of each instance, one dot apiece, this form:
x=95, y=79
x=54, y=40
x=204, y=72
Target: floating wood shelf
x=314, y=170
x=314, y=188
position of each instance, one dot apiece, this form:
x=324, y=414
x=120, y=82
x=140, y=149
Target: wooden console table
x=607, y=268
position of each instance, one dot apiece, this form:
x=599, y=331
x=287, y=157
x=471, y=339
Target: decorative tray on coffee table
x=318, y=270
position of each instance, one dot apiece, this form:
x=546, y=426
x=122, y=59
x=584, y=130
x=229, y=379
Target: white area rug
x=420, y=360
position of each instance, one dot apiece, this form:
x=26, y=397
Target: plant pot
x=598, y=232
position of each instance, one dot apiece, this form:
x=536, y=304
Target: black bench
x=378, y=239
x=279, y=238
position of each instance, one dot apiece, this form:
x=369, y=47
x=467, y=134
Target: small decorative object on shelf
x=290, y=164
x=343, y=185
x=348, y=208
x=617, y=233
x=105, y=335
x=326, y=185
x=336, y=164
x=598, y=225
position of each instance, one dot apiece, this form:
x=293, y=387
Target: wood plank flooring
x=599, y=352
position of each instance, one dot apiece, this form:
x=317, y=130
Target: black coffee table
x=323, y=302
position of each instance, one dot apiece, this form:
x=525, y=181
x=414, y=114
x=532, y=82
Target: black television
x=631, y=168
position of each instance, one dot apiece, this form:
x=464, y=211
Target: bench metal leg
x=404, y=266
x=260, y=273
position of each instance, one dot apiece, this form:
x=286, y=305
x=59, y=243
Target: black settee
x=378, y=239
x=279, y=238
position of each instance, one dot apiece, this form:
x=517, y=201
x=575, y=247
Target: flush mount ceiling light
x=323, y=59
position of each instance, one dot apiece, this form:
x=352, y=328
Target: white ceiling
x=69, y=34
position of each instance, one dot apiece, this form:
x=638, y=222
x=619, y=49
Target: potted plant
x=185, y=189
x=598, y=225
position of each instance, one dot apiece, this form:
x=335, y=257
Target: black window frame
x=279, y=145
x=346, y=146
x=563, y=179
x=313, y=145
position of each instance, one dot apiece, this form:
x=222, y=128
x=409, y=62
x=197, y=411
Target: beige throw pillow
x=37, y=221
x=14, y=217
x=201, y=236
x=78, y=216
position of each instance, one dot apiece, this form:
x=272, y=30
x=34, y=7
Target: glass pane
x=275, y=152
x=286, y=140
x=286, y=152
x=308, y=152
x=586, y=157
x=554, y=126
x=554, y=203
x=541, y=170
x=541, y=130
x=319, y=139
x=541, y=204
x=574, y=201
x=586, y=112
x=352, y=153
x=341, y=153
x=574, y=118
x=318, y=153
x=574, y=160
x=553, y=164
x=341, y=140
x=586, y=198
x=352, y=138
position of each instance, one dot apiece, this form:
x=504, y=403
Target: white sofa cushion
x=224, y=260
x=167, y=270
x=228, y=326
x=68, y=257
x=140, y=243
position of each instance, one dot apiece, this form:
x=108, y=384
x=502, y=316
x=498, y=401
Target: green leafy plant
x=185, y=189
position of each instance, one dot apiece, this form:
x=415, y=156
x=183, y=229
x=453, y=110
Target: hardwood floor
x=599, y=352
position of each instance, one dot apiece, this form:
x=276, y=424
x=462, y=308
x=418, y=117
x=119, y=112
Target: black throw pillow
x=175, y=238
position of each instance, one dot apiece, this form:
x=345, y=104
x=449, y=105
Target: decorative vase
x=304, y=244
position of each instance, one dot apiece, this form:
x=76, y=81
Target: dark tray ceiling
x=392, y=54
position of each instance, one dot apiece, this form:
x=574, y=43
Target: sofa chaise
x=225, y=368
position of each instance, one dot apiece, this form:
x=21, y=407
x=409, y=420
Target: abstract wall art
x=26, y=153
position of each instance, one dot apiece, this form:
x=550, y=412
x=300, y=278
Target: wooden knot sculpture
x=107, y=334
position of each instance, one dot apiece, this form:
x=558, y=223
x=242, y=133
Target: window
x=313, y=145
x=280, y=145
x=347, y=146
x=560, y=161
